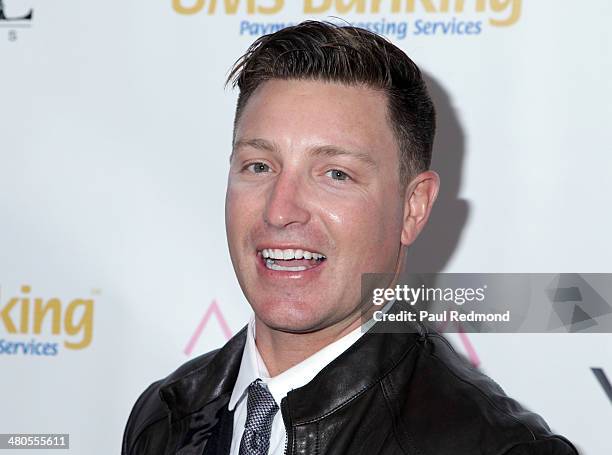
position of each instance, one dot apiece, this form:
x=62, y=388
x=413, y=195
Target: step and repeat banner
x=115, y=133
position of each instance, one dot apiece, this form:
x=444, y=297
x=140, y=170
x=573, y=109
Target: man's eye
x=258, y=168
x=337, y=174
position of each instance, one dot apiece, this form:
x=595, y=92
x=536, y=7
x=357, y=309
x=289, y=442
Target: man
x=328, y=180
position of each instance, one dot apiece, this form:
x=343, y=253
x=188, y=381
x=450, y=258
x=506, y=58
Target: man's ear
x=419, y=197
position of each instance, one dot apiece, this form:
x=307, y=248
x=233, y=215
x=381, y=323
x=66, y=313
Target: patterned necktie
x=261, y=409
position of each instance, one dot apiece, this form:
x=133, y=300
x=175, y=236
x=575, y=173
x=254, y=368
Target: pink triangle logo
x=213, y=309
x=465, y=341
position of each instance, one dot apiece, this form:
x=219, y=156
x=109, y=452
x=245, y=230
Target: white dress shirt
x=253, y=367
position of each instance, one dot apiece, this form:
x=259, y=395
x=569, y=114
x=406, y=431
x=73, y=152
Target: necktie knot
x=261, y=409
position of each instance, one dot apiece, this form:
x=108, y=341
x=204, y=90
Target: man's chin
x=291, y=318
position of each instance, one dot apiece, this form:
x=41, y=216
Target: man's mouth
x=290, y=260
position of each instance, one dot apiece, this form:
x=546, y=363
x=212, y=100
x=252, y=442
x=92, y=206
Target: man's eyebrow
x=331, y=151
x=256, y=143
x=260, y=144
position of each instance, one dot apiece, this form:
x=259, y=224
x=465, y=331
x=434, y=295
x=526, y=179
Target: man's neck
x=283, y=350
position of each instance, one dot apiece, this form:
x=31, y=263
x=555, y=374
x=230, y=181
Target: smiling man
x=314, y=200
x=328, y=180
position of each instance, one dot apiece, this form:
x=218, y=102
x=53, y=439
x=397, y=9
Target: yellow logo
x=500, y=12
x=26, y=315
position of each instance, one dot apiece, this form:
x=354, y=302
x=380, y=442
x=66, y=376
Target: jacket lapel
x=197, y=399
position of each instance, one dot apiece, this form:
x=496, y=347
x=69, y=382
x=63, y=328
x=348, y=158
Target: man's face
x=314, y=171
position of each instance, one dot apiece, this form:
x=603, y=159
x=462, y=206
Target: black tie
x=261, y=409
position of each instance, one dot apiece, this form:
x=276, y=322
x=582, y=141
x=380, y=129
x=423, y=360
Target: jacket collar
x=357, y=369
x=209, y=380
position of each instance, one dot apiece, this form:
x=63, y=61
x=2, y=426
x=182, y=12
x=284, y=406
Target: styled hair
x=314, y=50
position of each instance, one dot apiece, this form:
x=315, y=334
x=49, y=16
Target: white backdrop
x=115, y=133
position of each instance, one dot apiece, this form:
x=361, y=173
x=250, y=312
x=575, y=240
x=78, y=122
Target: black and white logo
x=14, y=20
x=24, y=17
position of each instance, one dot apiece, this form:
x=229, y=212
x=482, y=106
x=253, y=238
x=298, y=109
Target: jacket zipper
x=286, y=422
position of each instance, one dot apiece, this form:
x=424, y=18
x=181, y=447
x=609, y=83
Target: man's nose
x=286, y=202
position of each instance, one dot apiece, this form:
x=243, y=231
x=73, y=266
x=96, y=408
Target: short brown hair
x=349, y=55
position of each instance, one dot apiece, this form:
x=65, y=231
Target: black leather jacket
x=389, y=393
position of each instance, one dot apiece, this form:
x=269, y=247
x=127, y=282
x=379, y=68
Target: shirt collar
x=302, y=373
x=253, y=367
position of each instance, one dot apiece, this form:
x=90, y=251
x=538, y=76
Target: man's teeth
x=269, y=253
x=271, y=265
